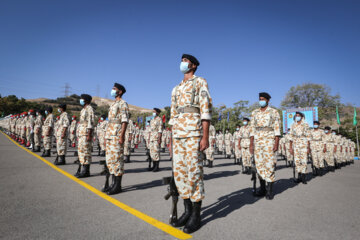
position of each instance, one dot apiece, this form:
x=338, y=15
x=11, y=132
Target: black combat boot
x=316, y=173
x=75, y=153
x=163, y=150
x=47, y=153
x=56, y=162
x=321, y=172
x=185, y=216
x=85, y=171
x=106, y=188
x=43, y=153
x=102, y=154
x=62, y=160
x=235, y=161
x=116, y=187
x=298, y=180
x=194, y=222
x=269, y=191
x=128, y=159
x=151, y=168
x=210, y=164
x=156, y=166
x=78, y=171
x=38, y=149
x=303, y=178
x=262, y=191
x=332, y=169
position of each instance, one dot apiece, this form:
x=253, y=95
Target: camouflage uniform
x=61, y=143
x=118, y=114
x=265, y=126
x=188, y=109
x=30, y=129
x=221, y=142
x=317, y=147
x=211, y=150
x=244, y=133
x=237, y=137
x=299, y=135
x=37, y=131
x=329, y=142
x=228, y=140
x=128, y=135
x=101, y=134
x=155, y=129
x=48, y=128
x=73, y=132
x=289, y=156
x=86, y=124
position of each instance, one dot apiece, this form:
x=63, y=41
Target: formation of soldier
x=192, y=141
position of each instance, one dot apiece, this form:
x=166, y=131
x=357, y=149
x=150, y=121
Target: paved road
x=38, y=202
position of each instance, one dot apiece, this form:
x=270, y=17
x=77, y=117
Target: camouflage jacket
x=118, y=114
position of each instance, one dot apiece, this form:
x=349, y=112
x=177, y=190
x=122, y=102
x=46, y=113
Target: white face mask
x=245, y=123
x=154, y=114
x=59, y=110
x=184, y=67
x=237, y=129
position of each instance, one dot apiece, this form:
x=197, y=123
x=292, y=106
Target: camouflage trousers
x=84, y=150
x=61, y=146
x=188, y=168
x=154, y=151
x=102, y=143
x=265, y=159
x=221, y=147
x=289, y=156
x=163, y=144
x=317, y=155
x=246, y=157
x=115, y=156
x=127, y=147
x=37, y=137
x=228, y=148
x=329, y=157
x=72, y=138
x=47, y=142
x=28, y=135
x=210, y=153
x=133, y=143
x=300, y=157
x=238, y=153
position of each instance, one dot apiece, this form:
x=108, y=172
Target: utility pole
x=66, y=90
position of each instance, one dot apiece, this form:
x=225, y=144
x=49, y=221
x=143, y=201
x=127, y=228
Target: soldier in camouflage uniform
x=86, y=131
x=128, y=139
x=228, y=140
x=211, y=150
x=61, y=143
x=30, y=129
x=338, y=141
x=48, y=128
x=37, y=131
x=115, y=139
x=163, y=137
x=329, y=148
x=72, y=131
x=237, y=150
x=300, y=145
x=317, y=147
x=244, y=145
x=101, y=136
x=155, y=140
x=190, y=119
x=221, y=145
x=264, y=143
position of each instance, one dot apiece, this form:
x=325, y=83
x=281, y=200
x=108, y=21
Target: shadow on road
x=155, y=183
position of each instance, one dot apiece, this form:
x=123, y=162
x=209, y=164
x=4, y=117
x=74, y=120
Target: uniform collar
x=191, y=79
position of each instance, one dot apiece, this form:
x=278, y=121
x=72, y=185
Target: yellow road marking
x=152, y=221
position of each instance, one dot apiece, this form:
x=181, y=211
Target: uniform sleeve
x=66, y=121
x=124, y=111
x=252, y=125
x=90, y=120
x=51, y=122
x=277, y=123
x=205, y=101
x=173, y=111
x=291, y=133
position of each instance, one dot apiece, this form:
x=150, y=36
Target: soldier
x=72, y=131
x=37, y=131
x=329, y=149
x=221, y=143
x=236, y=138
x=86, y=131
x=244, y=145
x=163, y=137
x=190, y=117
x=211, y=150
x=264, y=143
x=155, y=140
x=101, y=136
x=128, y=138
x=48, y=128
x=23, y=128
x=317, y=147
x=300, y=145
x=228, y=140
x=61, y=143
x=30, y=124
x=338, y=141
x=115, y=139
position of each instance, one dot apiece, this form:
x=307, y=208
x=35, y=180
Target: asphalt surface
x=38, y=202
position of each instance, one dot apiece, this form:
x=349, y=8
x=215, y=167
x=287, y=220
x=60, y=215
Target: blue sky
x=244, y=47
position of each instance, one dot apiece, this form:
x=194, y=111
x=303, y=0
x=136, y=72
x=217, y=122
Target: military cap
x=74, y=117
x=86, y=97
x=191, y=59
x=265, y=95
x=31, y=110
x=120, y=87
x=300, y=113
x=157, y=110
x=49, y=109
x=247, y=119
x=327, y=128
x=25, y=113
x=63, y=106
x=316, y=122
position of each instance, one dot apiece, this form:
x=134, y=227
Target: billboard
x=311, y=115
